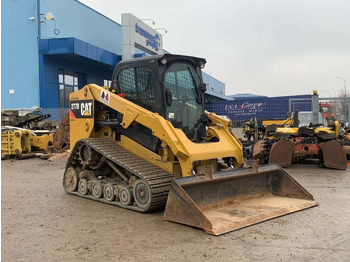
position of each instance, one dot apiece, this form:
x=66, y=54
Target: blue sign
x=151, y=40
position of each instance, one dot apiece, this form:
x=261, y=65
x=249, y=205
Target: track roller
x=83, y=186
x=108, y=192
x=97, y=189
x=125, y=195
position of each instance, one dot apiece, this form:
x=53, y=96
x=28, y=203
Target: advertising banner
x=261, y=108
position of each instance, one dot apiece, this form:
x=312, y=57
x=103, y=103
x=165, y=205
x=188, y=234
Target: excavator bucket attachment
x=334, y=155
x=259, y=151
x=281, y=153
x=61, y=138
x=231, y=200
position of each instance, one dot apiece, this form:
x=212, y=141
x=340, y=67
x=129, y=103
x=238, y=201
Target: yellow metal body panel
x=326, y=130
x=180, y=146
x=294, y=130
x=282, y=122
x=336, y=128
x=41, y=142
x=347, y=137
x=287, y=130
x=80, y=127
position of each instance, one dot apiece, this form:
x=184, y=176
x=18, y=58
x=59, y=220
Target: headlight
x=163, y=61
x=201, y=65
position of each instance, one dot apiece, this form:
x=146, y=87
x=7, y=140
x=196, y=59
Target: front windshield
x=324, y=109
x=305, y=118
x=185, y=110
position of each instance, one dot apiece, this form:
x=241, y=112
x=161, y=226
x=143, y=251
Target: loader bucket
x=235, y=199
x=281, y=153
x=334, y=155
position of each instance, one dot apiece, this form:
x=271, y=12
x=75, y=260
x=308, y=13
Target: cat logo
x=104, y=97
x=81, y=109
x=86, y=109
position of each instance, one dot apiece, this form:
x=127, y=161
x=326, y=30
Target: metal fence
x=340, y=106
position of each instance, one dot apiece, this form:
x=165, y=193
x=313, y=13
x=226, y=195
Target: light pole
x=344, y=83
x=347, y=108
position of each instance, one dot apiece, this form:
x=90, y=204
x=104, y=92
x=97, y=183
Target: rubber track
x=158, y=179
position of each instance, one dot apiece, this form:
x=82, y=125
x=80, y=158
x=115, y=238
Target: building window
x=68, y=82
x=107, y=82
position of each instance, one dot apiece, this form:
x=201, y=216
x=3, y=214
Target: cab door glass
x=185, y=111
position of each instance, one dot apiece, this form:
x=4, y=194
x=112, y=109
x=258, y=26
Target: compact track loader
x=147, y=142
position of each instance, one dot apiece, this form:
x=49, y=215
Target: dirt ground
x=40, y=222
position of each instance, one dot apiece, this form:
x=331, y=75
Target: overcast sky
x=267, y=47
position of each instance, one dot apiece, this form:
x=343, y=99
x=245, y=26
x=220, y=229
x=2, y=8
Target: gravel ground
x=40, y=222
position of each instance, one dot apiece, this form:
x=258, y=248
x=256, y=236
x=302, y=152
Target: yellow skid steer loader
x=147, y=142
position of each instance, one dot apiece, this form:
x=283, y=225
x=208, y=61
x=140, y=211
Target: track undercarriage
x=100, y=170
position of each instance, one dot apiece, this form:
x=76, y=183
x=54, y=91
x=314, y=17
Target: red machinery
x=326, y=110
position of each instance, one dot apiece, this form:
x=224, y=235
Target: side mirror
x=168, y=97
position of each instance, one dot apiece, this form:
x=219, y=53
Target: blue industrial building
x=51, y=48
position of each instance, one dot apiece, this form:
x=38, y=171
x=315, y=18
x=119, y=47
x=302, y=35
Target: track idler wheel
x=70, y=179
x=142, y=194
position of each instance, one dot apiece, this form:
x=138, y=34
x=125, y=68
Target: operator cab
x=170, y=85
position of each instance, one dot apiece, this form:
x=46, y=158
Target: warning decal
x=81, y=109
x=104, y=97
